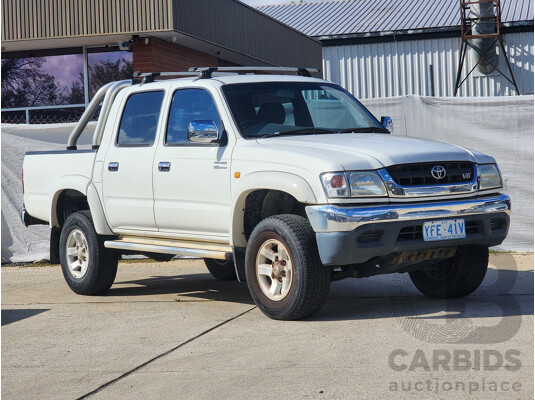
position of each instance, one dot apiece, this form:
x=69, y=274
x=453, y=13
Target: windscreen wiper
x=368, y=129
x=301, y=131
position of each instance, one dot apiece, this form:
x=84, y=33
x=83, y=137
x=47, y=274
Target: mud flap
x=239, y=263
x=54, y=245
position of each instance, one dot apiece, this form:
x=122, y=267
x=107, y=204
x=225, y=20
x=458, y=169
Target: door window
x=140, y=119
x=189, y=105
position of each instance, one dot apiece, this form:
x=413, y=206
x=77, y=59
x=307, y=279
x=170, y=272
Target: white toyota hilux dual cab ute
x=283, y=181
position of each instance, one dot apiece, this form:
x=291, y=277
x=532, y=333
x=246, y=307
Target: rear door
x=127, y=170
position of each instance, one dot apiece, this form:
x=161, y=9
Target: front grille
x=420, y=174
x=410, y=233
x=414, y=232
x=497, y=224
x=472, y=227
x=370, y=236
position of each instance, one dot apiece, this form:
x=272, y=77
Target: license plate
x=444, y=230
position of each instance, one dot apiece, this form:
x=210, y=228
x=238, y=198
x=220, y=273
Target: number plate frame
x=446, y=229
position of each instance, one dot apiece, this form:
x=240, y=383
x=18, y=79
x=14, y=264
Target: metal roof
x=345, y=17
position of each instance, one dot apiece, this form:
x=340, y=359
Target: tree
x=25, y=84
x=76, y=93
x=107, y=71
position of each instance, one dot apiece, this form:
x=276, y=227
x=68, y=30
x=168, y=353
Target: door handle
x=164, y=166
x=113, y=166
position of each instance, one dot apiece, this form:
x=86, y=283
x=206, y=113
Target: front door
x=192, y=180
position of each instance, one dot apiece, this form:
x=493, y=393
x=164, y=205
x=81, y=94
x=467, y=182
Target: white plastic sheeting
x=501, y=126
x=19, y=243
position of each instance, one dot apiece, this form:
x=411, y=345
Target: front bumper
x=353, y=235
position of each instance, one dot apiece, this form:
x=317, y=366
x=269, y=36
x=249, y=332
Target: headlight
x=353, y=184
x=366, y=184
x=489, y=177
x=335, y=184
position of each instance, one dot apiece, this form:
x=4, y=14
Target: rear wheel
x=456, y=277
x=88, y=267
x=222, y=270
x=160, y=257
x=285, y=276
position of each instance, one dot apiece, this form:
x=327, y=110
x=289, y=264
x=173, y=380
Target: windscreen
x=293, y=108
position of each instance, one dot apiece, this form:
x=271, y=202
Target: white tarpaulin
x=18, y=242
x=500, y=126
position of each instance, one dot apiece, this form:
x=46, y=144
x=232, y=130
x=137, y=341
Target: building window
x=104, y=67
x=42, y=81
x=50, y=88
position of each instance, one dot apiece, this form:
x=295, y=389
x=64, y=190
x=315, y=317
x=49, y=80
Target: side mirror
x=387, y=124
x=202, y=131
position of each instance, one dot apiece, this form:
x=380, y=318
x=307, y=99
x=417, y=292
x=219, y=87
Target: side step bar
x=180, y=248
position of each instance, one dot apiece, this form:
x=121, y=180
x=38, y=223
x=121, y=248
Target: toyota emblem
x=438, y=172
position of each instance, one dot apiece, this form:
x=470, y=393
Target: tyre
x=222, y=270
x=88, y=267
x=160, y=257
x=456, y=277
x=284, y=274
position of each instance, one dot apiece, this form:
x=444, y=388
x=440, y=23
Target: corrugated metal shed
x=384, y=48
x=344, y=17
x=425, y=67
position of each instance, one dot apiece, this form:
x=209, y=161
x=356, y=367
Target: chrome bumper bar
x=333, y=218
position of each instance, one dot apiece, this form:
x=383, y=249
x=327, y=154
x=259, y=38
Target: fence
x=43, y=114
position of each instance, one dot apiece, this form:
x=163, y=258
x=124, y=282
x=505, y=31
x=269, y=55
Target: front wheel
x=88, y=267
x=284, y=274
x=456, y=277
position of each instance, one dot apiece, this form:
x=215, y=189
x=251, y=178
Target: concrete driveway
x=170, y=331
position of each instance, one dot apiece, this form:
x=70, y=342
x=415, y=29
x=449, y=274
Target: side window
x=189, y=105
x=140, y=119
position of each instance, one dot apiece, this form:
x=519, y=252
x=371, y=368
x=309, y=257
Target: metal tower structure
x=481, y=31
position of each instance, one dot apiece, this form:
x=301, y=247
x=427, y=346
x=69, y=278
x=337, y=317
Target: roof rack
x=148, y=77
x=206, y=72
